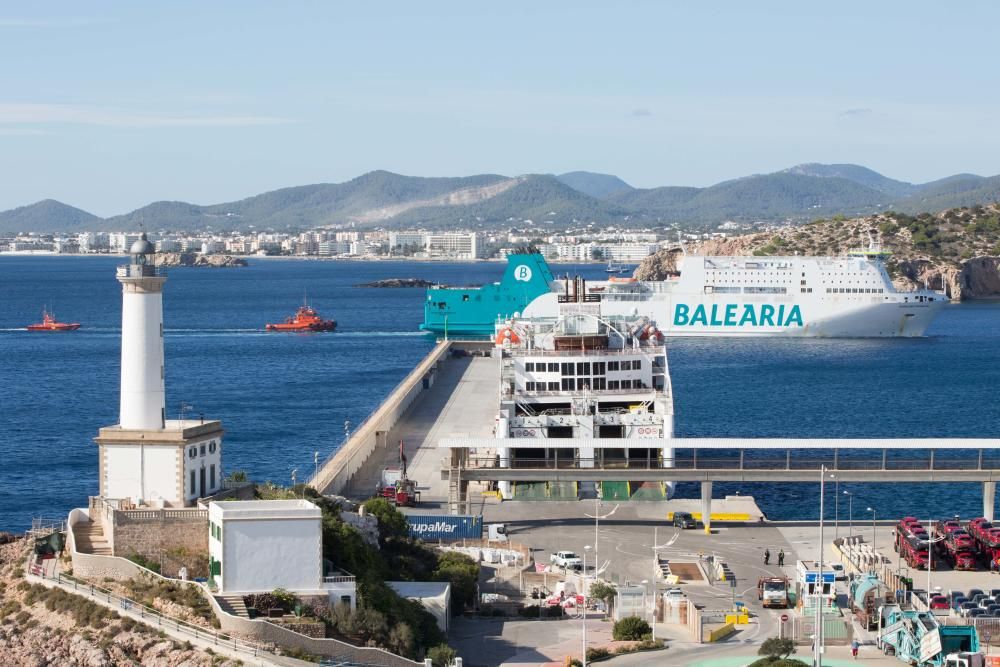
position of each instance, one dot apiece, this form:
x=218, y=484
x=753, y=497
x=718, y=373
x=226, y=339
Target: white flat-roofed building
x=458, y=245
x=257, y=546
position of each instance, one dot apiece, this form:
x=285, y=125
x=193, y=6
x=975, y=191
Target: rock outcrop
x=169, y=259
x=399, y=282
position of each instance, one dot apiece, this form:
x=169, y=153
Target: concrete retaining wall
x=334, y=474
x=266, y=632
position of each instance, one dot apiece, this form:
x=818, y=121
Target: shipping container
x=445, y=527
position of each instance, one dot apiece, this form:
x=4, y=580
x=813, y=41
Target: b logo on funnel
x=522, y=273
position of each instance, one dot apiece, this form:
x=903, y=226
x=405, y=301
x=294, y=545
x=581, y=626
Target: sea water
x=283, y=397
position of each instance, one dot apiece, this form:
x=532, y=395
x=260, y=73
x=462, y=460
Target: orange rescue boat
x=49, y=323
x=306, y=319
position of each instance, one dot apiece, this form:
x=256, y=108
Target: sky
x=111, y=105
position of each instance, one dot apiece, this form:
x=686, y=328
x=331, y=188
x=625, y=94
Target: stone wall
x=171, y=538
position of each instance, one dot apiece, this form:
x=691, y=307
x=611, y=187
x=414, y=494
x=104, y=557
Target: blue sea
x=282, y=397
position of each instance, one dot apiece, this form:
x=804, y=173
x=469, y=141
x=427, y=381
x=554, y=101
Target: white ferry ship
x=850, y=296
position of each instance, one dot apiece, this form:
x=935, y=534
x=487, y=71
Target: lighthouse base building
x=169, y=467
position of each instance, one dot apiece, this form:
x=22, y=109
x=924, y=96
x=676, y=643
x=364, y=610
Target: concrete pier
x=450, y=393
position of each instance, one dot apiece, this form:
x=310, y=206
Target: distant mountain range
x=491, y=201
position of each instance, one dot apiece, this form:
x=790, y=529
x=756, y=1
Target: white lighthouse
x=147, y=459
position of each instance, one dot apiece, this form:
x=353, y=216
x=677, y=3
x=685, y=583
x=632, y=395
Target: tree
x=601, y=590
x=462, y=573
x=776, y=648
x=597, y=253
x=442, y=655
x=391, y=522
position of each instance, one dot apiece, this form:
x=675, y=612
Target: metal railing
x=729, y=463
x=152, y=616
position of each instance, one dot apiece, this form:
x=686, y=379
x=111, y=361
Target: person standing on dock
x=767, y=556
x=781, y=558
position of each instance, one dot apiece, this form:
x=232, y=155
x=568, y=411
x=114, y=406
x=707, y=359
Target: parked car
x=684, y=520
x=965, y=607
x=975, y=612
x=567, y=560
x=939, y=602
x=958, y=601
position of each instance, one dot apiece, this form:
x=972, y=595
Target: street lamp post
x=597, y=516
x=645, y=592
x=584, y=610
x=836, y=506
x=874, y=546
x=850, y=512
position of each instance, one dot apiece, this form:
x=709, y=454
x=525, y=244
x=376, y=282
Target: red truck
x=957, y=547
x=911, y=542
x=987, y=539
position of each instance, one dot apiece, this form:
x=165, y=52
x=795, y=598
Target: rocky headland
x=171, y=259
x=957, y=250
x=40, y=627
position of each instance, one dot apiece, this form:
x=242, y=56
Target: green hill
x=538, y=198
x=598, y=186
x=491, y=201
x=47, y=215
x=856, y=173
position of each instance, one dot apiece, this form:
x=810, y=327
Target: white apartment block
x=454, y=245
x=407, y=238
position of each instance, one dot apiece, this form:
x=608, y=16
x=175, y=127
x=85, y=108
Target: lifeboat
x=49, y=323
x=305, y=319
x=507, y=336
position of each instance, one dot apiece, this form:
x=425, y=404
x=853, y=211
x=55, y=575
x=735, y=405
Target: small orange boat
x=306, y=319
x=49, y=323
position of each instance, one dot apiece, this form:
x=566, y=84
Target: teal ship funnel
x=473, y=311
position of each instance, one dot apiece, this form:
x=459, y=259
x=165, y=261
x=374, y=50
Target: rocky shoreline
x=174, y=259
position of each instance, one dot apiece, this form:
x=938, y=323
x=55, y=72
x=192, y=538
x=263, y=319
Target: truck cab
x=684, y=520
x=773, y=592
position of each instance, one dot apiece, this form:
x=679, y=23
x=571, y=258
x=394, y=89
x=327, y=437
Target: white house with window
x=257, y=546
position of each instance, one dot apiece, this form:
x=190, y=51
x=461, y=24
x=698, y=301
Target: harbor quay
x=607, y=496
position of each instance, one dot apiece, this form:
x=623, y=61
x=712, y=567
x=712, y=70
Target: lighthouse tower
x=146, y=459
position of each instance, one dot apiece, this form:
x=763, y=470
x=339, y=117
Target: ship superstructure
x=583, y=376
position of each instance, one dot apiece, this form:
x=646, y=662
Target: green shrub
x=776, y=648
x=595, y=654
x=630, y=628
x=442, y=655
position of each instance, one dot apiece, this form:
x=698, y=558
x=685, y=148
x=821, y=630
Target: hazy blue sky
x=108, y=106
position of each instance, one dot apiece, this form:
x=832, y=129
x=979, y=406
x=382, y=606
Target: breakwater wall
x=335, y=473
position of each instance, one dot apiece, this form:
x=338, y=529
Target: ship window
x=553, y=367
x=529, y=367
x=568, y=384
x=553, y=386
x=614, y=384
x=568, y=369
x=583, y=368
x=529, y=386
x=612, y=365
x=583, y=383
x=599, y=368
x=600, y=384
